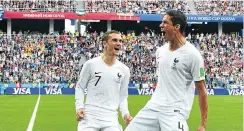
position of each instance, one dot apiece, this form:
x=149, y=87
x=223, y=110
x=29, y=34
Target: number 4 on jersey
x=180, y=126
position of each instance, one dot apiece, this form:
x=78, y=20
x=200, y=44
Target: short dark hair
x=177, y=17
x=106, y=34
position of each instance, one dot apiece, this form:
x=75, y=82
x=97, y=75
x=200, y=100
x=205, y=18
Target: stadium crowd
x=27, y=57
x=222, y=56
x=214, y=7
x=136, y=6
x=39, y=5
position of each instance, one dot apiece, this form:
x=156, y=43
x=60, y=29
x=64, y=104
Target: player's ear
x=177, y=27
x=105, y=44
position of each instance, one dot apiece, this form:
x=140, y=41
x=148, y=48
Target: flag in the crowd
x=60, y=46
x=80, y=12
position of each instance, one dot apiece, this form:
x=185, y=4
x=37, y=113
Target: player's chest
x=173, y=61
x=108, y=74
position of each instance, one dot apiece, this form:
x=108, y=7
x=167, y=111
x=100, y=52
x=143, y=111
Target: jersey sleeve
x=197, y=67
x=124, y=94
x=81, y=86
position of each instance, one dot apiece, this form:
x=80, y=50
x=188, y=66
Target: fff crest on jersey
x=119, y=77
x=176, y=60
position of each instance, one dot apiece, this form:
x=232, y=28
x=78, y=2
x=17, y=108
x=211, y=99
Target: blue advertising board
x=41, y=85
x=132, y=91
x=43, y=91
x=195, y=18
x=1, y=89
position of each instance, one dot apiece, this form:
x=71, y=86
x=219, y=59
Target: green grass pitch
x=57, y=113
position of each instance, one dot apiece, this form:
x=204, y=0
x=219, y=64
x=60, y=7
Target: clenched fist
x=80, y=114
x=127, y=119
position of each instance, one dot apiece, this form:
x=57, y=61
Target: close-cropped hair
x=177, y=17
x=106, y=35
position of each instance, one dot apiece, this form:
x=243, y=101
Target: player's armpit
x=203, y=102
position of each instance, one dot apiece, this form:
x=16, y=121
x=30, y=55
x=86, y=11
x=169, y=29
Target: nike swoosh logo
x=97, y=72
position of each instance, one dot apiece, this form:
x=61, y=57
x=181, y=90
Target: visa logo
x=236, y=92
x=55, y=91
x=145, y=91
x=24, y=91
x=210, y=91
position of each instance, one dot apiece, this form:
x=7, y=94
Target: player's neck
x=109, y=59
x=177, y=43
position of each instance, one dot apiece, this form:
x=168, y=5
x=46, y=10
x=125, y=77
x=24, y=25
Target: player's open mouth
x=163, y=33
x=116, y=48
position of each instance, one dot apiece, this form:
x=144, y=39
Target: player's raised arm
x=199, y=78
x=79, y=91
x=123, y=98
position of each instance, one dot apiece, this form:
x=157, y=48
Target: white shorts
x=97, y=125
x=150, y=120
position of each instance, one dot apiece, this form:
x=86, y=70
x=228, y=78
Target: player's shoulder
x=93, y=61
x=193, y=51
x=123, y=66
x=162, y=48
x=190, y=46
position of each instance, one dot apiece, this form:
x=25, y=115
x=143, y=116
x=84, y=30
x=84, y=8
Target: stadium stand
x=222, y=56
x=136, y=6
x=124, y=6
x=209, y=7
x=212, y=7
x=38, y=5
x=55, y=58
x=215, y=7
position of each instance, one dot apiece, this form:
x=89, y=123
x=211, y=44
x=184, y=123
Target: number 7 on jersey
x=99, y=77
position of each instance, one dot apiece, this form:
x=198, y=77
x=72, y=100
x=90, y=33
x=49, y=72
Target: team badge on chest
x=119, y=77
x=175, y=63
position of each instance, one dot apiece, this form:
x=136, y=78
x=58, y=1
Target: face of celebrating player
x=169, y=31
x=113, y=44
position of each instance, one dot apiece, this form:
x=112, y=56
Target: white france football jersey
x=107, y=89
x=177, y=71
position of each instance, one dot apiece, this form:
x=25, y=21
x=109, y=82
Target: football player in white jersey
x=180, y=71
x=106, y=80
